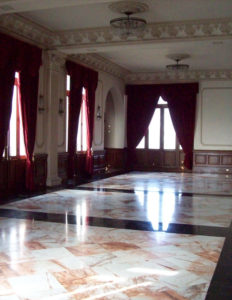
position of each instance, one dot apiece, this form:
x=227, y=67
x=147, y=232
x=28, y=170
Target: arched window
x=15, y=139
x=82, y=124
x=160, y=133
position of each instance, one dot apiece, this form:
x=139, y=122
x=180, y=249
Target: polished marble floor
x=169, y=182
x=114, y=239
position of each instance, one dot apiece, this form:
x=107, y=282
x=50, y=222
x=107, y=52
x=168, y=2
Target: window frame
x=146, y=144
x=81, y=117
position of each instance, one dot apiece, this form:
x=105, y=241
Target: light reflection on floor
x=49, y=260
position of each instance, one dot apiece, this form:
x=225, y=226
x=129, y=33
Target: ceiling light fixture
x=177, y=66
x=128, y=25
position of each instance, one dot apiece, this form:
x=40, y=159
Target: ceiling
x=207, y=55
x=98, y=14
x=71, y=15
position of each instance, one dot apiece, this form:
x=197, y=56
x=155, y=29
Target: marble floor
x=136, y=236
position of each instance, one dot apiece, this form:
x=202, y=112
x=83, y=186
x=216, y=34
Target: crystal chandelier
x=127, y=26
x=178, y=66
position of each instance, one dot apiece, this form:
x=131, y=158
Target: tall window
x=160, y=133
x=15, y=139
x=82, y=125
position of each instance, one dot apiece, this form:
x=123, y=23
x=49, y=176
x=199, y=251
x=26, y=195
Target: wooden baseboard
x=212, y=161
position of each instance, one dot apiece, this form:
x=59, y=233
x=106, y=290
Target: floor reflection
x=159, y=207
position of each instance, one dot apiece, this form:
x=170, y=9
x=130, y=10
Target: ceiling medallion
x=177, y=66
x=128, y=25
x=134, y=7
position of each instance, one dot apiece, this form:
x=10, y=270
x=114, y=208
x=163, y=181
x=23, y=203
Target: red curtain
x=76, y=73
x=29, y=60
x=181, y=100
x=81, y=77
x=142, y=100
x=7, y=74
x=141, y=103
x=90, y=84
x=26, y=59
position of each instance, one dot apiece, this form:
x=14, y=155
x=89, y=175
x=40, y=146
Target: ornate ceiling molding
x=97, y=37
x=28, y=30
x=100, y=64
x=156, y=77
x=156, y=32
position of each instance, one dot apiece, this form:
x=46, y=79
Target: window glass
x=154, y=131
x=67, y=120
x=16, y=138
x=22, y=150
x=169, y=132
x=13, y=124
x=141, y=144
x=82, y=125
x=68, y=83
x=161, y=101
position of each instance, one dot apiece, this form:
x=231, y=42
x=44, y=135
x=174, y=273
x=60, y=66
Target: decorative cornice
x=79, y=39
x=100, y=64
x=27, y=30
x=156, y=32
x=82, y=38
x=157, y=77
x=56, y=60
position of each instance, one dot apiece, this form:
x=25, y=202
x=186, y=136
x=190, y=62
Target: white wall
x=110, y=84
x=214, y=116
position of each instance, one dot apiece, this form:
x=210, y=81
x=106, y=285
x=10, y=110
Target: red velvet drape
x=76, y=73
x=181, y=100
x=80, y=77
x=26, y=59
x=7, y=74
x=142, y=100
x=29, y=59
x=141, y=103
x=90, y=84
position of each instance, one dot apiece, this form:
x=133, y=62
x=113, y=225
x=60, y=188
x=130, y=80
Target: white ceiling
x=204, y=55
x=61, y=15
x=98, y=14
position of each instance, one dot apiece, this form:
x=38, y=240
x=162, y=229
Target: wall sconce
x=41, y=107
x=99, y=116
x=61, y=106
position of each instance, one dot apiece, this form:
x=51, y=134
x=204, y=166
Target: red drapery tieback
x=142, y=100
x=80, y=77
x=19, y=56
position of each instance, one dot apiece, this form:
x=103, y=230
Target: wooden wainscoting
x=99, y=162
x=40, y=171
x=159, y=160
x=212, y=161
x=116, y=158
x=63, y=166
x=16, y=175
x=80, y=164
x=13, y=175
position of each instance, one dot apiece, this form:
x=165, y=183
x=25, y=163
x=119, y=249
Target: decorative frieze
x=101, y=64
x=190, y=75
x=155, y=32
x=106, y=37
x=64, y=41
x=15, y=24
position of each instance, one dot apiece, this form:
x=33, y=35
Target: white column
x=54, y=67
